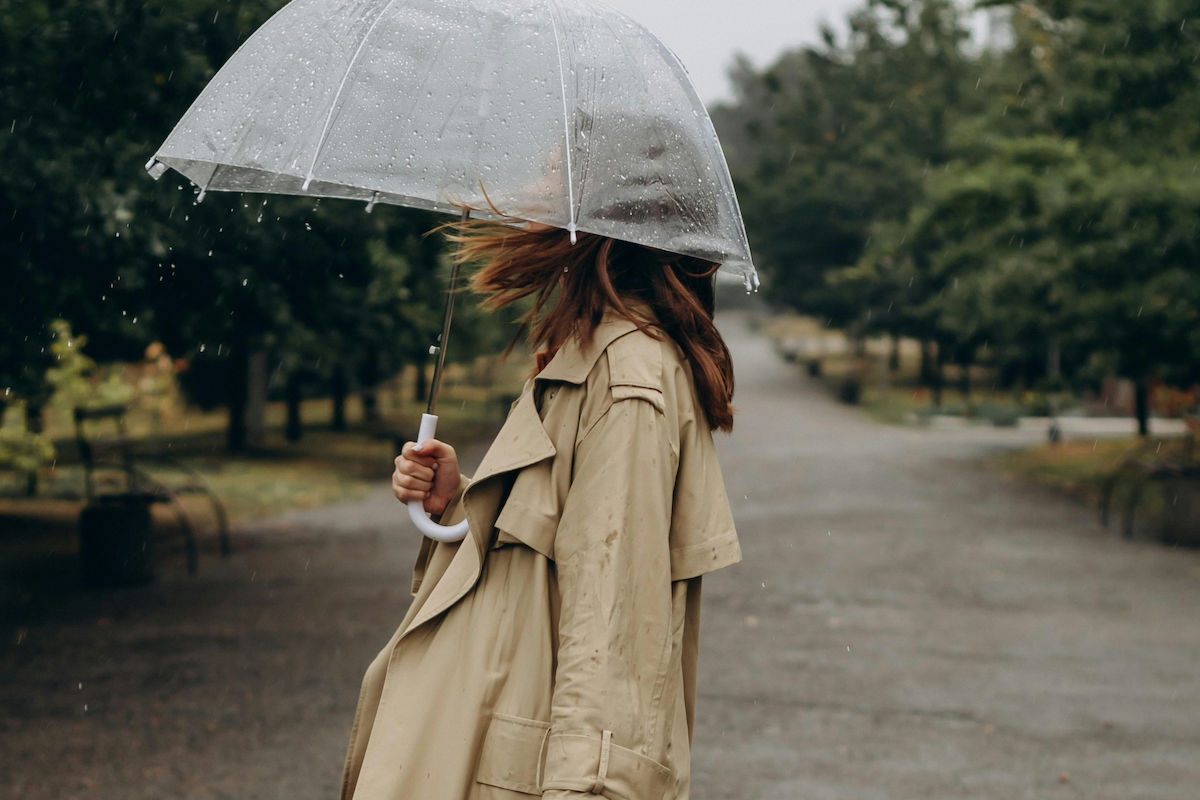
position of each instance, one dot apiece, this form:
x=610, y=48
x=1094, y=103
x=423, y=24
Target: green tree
x=830, y=141
x=88, y=89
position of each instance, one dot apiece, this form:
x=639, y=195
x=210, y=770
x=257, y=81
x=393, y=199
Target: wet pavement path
x=904, y=625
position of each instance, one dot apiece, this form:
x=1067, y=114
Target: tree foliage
x=88, y=90
x=1003, y=202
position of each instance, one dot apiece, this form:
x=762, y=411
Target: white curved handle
x=416, y=509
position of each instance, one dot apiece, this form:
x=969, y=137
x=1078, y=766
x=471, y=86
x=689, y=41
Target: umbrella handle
x=416, y=508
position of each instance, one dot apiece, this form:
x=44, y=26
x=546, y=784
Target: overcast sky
x=706, y=34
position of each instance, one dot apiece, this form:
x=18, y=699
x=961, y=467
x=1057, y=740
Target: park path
x=904, y=625
x=907, y=625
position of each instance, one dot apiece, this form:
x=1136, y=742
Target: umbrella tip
x=751, y=280
x=571, y=230
x=307, y=181
x=156, y=168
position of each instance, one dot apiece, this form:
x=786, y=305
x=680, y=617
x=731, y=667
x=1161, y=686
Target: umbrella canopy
x=562, y=112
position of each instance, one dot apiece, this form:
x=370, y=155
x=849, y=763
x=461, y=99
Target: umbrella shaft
x=440, y=347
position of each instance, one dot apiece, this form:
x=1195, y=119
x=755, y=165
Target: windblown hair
x=592, y=275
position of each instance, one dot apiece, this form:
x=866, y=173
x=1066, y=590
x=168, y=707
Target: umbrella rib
x=338, y=96
x=562, y=81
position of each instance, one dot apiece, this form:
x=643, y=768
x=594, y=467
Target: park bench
x=116, y=475
x=1173, y=468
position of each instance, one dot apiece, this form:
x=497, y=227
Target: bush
x=1002, y=416
x=22, y=450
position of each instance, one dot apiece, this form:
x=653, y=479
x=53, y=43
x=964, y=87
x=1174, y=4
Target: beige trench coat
x=554, y=649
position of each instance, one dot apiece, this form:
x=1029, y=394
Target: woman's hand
x=429, y=474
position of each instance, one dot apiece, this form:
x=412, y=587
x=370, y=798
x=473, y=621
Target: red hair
x=592, y=275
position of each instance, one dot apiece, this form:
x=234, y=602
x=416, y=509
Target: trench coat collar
x=574, y=360
x=521, y=442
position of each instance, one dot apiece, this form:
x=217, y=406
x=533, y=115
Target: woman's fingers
x=417, y=472
x=416, y=469
x=407, y=488
x=410, y=453
x=430, y=451
x=413, y=476
x=411, y=482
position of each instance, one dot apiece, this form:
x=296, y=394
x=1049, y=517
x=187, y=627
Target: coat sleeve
x=615, y=688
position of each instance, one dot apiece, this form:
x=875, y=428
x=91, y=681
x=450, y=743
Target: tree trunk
x=239, y=375
x=894, y=355
x=33, y=417
x=421, y=385
x=1054, y=361
x=369, y=378
x=927, y=377
x=339, y=387
x=964, y=380
x=939, y=376
x=292, y=394
x=256, y=399
x=1142, y=406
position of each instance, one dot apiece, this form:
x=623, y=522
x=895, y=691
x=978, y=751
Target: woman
x=553, y=651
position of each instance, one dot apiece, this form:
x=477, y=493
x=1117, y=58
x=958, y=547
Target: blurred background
x=978, y=229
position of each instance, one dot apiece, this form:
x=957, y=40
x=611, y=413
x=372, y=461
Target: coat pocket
x=512, y=754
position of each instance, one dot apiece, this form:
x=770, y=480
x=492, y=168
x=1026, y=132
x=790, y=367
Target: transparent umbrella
x=562, y=112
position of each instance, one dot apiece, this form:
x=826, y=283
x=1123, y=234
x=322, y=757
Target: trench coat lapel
x=573, y=361
x=521, y=441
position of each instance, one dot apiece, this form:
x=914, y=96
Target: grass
x=324, y=467
x=1077, y=468
x=1162, y=509
x=895, y=397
